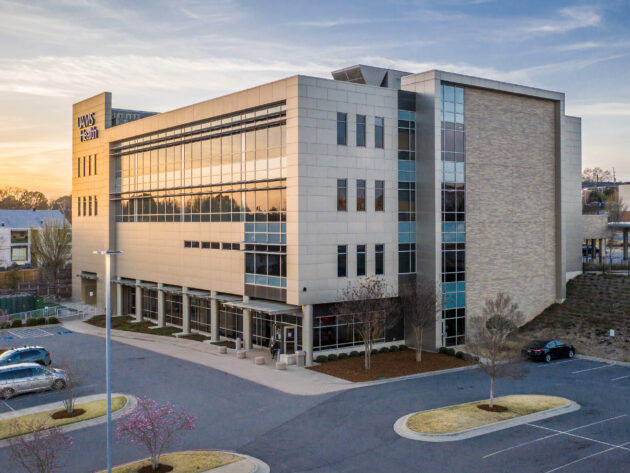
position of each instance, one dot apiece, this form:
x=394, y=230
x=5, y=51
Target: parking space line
x=596, y=368
x=581, y=437
x=547, y=365
x=579, y=460
x=553, y=435
x=621, y=377
x=4, y=402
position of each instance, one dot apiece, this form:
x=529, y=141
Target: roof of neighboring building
x=28, y=218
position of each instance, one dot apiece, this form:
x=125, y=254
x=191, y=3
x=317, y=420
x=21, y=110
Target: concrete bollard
x=300, y=357
x=281, y=366
x=259, y=360
x=241, y=354
x=222, y=350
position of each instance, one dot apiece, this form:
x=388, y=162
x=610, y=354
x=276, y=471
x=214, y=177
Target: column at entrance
x=214, y=317
x=307, y=332
x=138, y=301
x=185, y=311
x=247, y=326
x=601, y=251
x=161, y=319
x=119, y=300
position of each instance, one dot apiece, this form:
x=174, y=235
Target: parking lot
x=352, y=431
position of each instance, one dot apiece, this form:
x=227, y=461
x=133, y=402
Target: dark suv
x=25, y=355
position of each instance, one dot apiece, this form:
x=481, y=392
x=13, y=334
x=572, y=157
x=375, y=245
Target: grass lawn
x=184, y=462
x=388, y=365
x=453, y=419
x=92, y=409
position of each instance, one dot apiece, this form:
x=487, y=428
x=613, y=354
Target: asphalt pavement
x=352, y=431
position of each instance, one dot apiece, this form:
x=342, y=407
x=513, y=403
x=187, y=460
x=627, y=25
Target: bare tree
x=419, y=303
x=368, y=309
x=74, y=374
x=51, y=247
x=595, y=175
x=40, y=451
x=487, y=338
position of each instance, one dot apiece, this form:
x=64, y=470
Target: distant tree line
x=14, y=198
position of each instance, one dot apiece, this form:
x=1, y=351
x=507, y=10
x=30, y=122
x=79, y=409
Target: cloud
x=602, y=109
x=570, y=19
x=593, y=45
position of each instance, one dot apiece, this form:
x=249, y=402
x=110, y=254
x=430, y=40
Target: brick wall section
x=510, y=207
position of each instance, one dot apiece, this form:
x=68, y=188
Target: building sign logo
x=85, y=124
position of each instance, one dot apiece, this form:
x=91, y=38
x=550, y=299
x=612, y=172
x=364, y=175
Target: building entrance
x=279, y=327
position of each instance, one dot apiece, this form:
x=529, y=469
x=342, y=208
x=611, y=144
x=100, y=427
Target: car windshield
x=538, y=343
x=6, y=354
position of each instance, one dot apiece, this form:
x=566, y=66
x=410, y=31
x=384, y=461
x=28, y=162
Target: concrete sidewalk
x=297, y=381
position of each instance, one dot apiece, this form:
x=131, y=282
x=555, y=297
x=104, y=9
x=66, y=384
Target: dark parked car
x=547, y=350
x=25, y=355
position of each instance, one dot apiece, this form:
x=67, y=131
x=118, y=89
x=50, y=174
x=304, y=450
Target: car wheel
x=547, y=357
x=571, y=354
x=7, y=393
x=59, y=385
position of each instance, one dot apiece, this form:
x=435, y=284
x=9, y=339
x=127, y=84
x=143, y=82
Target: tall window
x=379, y=196
x=90, y=206
x=360, y=260
x=78, y=206
x=360, y=130
x=78, y=167
x=89, y=165
x=95, y=207
x=361, y=195
x=379, y=259
x=379, y=132
x=342, y=128
x=342, y=193
x=84, y=206
x=95, y=165
x=83, y=166
x=342, y=261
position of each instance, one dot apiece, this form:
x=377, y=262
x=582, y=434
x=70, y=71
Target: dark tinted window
x=21, y=373
x=27, y=354
x=379, y=195
x=379, y=132
x=360, y=130
x=379, y=253
x=360, y=195
x=4, y=377
x=342, y=261
x=342, y=128
x=360, y=260
x=342, y=193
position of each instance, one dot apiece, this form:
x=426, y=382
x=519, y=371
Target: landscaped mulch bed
x=388, y=365
x=126, y=323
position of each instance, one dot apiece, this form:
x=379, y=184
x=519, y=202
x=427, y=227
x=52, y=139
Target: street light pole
x=108, y=354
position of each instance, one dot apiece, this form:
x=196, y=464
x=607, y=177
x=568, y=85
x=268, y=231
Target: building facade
x=246, y=216
x=15, y=233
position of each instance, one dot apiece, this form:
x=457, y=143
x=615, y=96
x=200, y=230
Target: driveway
x=351, y=431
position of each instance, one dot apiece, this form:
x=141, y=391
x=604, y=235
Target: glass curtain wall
x=173, y=309
x=149, y=304
x=453, y=215
x=406, y=182
x=200, y=314
x=230, y=322
x=332, y=332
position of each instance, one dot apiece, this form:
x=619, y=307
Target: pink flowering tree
x=155, y=426
x=39, y=452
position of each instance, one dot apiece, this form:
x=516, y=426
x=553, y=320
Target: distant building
x=15, y=233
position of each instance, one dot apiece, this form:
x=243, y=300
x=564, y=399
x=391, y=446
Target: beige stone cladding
x=320, y=228
x=510, y=199
x=90, y=233
x=155, y=251
x=594, y=227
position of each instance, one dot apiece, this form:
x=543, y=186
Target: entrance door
x=289, y=339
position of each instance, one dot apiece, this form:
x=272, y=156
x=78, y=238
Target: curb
x=130, y=405
x=376, y=382
x=602, y=360
x=259, y=466
x=400, y=426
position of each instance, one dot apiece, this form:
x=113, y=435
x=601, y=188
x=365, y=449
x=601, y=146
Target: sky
x=159, y=55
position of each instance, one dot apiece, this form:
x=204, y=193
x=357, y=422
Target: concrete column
x=625, y=244
x=138, y=302
x=307, y=332
x=601, y=251
x=161, y=317
x=214, y=317
x=119, y=300
x=186, y=311
x=247, y=327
